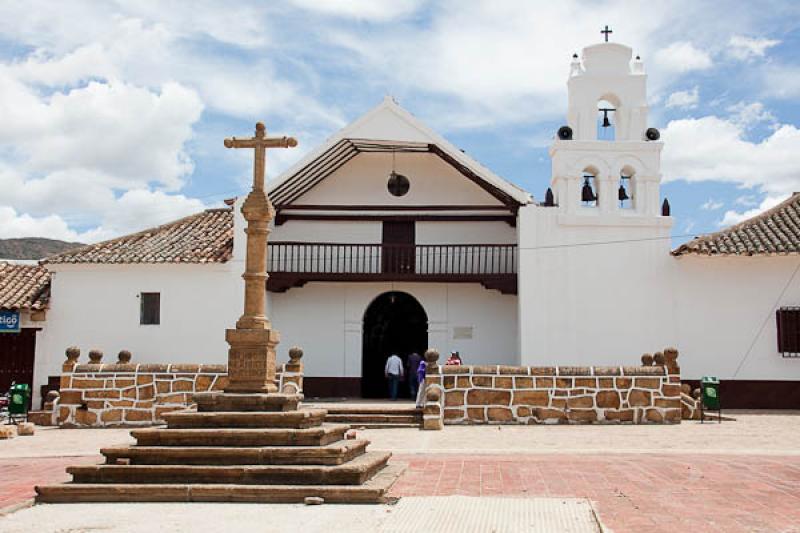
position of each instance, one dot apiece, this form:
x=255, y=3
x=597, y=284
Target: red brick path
x=19, y=476
x=652, y=493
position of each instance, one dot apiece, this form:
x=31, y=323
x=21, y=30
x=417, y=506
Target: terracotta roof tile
x=773, y=232
x=24, y=287
x=206, y=237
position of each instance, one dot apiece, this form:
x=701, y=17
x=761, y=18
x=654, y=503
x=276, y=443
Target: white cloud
x=734, y=217
x=747, y=48
x=371, y=10
x=713, y=148
x=16, y=225
x=711, y=205
x=684, y=99
x=749, y=115
x=746, y=200
x=682, y=56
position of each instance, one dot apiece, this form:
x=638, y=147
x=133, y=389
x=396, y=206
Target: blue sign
x=9, y=322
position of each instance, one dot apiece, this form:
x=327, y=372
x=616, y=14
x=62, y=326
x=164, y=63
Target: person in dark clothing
x=413, y=381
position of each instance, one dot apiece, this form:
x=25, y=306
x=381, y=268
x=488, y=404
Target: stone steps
x=368, y=409
x=238, y=447
x=354, y=472
x=332, y=454
x=300, y=419
x=315, y=436
x=362, y=419
x=372, y=491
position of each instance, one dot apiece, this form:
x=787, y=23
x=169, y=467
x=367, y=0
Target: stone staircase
x=235, y=448
x=373, y=415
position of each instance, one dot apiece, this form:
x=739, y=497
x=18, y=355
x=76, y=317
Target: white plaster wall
x=340, y=231
x=362, y=181
x=326, y=320
x=725, y=316
x=592, y=294
x=97, y=306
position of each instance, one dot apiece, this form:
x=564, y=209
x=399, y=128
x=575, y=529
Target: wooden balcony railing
x=295, y=263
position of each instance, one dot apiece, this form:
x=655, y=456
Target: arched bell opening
x=394, y=323
x=607, y=118
x=625, y=194
x=589, y=195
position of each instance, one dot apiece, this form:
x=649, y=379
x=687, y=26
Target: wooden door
x=16, y=358
x=398, y=248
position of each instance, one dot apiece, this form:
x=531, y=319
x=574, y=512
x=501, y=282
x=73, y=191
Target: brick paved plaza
x=740, y=476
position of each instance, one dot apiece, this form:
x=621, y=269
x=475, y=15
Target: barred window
x=150, y=308
x=788, y=321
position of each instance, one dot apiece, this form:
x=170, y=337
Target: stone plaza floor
x=732, y=477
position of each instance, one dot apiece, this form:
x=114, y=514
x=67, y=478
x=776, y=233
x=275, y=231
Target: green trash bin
x=20, y=398
x=709, y=385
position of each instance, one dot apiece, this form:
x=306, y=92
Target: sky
x=112, y=113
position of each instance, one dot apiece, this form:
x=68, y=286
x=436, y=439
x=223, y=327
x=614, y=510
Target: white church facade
x=387, y=238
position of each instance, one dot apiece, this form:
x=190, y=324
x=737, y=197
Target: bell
x=622, y=194
x=549, y=201
x=587, y=194
x=606, y=123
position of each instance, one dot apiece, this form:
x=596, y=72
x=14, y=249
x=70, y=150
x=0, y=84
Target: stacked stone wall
x=496, y=394
x=125, y=394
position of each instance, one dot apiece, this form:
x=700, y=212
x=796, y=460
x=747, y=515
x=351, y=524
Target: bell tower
x=606, y=160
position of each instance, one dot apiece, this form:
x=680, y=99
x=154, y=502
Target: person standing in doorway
x=394, y=373
x=413, y=363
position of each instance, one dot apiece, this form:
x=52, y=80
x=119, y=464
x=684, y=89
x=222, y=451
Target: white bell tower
x=607, y=87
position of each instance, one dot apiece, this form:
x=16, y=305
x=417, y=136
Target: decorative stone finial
x=659, y=358
x=124, y=357
x=52, y=395
x=73, y=352
x=431, y=356
x=696, y=394
x=95, y=356
x=260, y=126
x=295, y=354
x=671, y=354
x=647, y=359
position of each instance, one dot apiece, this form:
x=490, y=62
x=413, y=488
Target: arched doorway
x=395, y=322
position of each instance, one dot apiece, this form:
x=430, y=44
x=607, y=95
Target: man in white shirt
x=394, y=373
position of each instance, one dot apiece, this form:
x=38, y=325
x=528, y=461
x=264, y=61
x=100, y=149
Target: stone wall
x=126, y=394
x=496, y=394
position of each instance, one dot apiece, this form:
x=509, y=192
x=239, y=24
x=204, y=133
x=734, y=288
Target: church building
x=389, y=239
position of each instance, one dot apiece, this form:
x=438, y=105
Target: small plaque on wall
x=463, y=332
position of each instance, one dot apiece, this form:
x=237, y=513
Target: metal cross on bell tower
x=606, y=31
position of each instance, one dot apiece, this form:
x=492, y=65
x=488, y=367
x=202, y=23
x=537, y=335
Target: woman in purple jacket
x=421, y=380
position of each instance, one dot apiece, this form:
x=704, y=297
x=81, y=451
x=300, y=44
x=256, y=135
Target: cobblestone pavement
x=654, y=493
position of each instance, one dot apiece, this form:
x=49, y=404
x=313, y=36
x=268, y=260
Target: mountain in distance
x=32, y=248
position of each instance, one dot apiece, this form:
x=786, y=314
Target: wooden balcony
x=293, y=264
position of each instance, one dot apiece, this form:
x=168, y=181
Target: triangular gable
x=391, y=125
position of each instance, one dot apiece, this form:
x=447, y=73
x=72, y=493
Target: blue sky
x=113, y=113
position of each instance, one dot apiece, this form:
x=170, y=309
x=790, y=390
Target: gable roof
x=205, y=237
x=773, y=232
x=24, y=287
x=371, y=133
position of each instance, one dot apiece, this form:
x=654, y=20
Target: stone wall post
x=432, y=409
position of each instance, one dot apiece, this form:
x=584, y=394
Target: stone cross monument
x=251, y=357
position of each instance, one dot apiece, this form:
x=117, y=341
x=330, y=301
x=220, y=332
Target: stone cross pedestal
x=251, y=357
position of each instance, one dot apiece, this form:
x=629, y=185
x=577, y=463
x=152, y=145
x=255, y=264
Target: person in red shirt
x=454, y=359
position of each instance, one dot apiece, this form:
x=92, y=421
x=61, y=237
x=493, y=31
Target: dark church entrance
x=394, y=322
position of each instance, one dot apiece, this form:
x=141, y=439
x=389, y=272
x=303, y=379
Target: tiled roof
x=23, y=287
x=773, y=232
x=206, y=237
